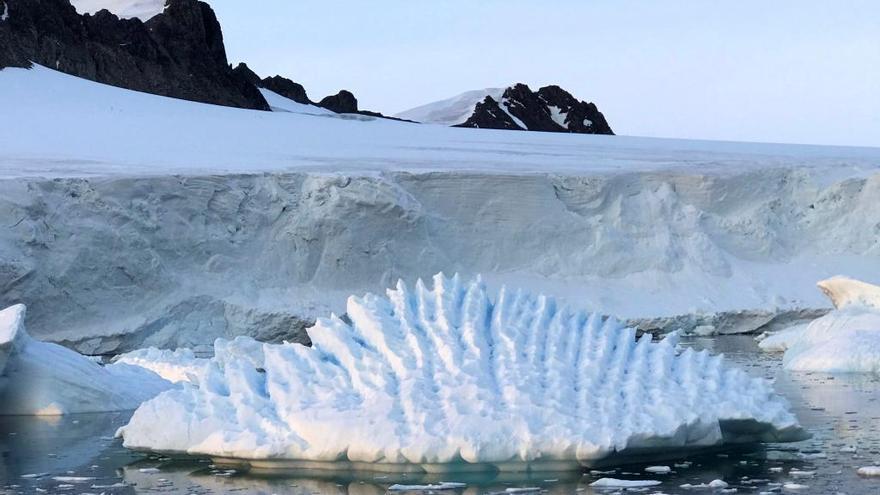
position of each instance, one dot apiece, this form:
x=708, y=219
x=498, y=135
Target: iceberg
x=43, y=379
x=846, y=340
x=446, y=379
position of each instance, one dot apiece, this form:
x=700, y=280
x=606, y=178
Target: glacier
x=846, y=340
x=44, y=379
x=450, y=379
x=120, y=233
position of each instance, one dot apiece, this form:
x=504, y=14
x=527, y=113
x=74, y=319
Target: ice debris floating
x=846, y=340
x=43, y=379
x=446, y=379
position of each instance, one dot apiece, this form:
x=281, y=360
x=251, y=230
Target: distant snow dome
x=454, y=378
x=450, y=111
x=142, y=9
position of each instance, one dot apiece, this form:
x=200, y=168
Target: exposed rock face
x=242, y=71
x=489, y=115
x=342, y=102
x=550, y=109
x=178, y=53
x=287, y=88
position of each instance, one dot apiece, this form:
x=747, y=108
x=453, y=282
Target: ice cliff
x=38, y=378
x=119, y=232
x=448, y=377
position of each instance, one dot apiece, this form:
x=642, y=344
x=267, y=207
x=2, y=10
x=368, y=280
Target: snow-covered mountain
x=517, y=107
x=134, y=219
x=450, y=111
x=127, y=9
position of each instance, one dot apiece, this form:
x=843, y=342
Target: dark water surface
x=78, y=454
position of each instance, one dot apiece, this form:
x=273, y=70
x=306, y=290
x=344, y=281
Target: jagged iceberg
x=846, y=340
x=43, y=379
x=447, y=379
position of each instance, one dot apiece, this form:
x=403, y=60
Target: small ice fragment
x=658, y=469
x=444, y=485
x=73, y=479
x=801, y=474
x=34, y=475
x=869, y=471
x=794, y=486
x=718, y=484
x=149, y=470
x=616, y=483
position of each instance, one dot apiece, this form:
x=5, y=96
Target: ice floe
x=44, y=379
x=846, y=340
x=445, y=378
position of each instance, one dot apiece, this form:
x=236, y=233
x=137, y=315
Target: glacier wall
x=111, y=264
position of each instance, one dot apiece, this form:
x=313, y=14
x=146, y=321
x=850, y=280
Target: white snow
x=638, y=228
x=616, y=483
x=143, y=9
x=459, y=379
x=846, y=340
x=505, y=106
x=450, y=111
x=279, y=103
x=558, y=115
x=5, y=14
x=869, y=471
x=42, y=379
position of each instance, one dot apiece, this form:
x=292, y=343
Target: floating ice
x=869, y=471
x=846, y=340
x=39, y=378
x=441, y=379
x=616, y=483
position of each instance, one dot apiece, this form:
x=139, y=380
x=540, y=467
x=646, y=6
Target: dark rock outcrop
x=341, y=102
x=242, y=71
x=489, y=115
x=286, y=88
x=550, y=109
x=178, y=53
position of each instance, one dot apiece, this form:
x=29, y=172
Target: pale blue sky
x=784, y=70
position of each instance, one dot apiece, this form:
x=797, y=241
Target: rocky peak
x=550, y=109
x=178, y=53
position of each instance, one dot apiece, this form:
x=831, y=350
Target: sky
x=776, y=71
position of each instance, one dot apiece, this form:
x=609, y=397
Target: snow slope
x=459, y=379
x=450, y=111
x=134, y=220
x=846, y=340
x=143, y=9
x=38, y=378
x=279, y=103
